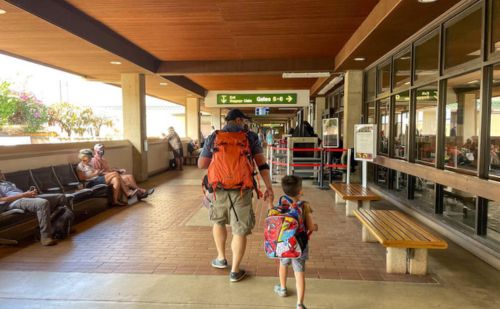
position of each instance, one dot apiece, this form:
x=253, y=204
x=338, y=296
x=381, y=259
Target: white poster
x=331, y=133
x=365, y=142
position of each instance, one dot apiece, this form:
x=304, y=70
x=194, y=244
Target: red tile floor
x=154, y=237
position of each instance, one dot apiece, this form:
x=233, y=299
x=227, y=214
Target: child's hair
x=292, y=185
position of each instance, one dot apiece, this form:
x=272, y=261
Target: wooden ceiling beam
x=186, y=83
x=246, y=67
x=67, y=17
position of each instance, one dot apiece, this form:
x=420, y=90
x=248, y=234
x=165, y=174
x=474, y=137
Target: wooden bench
x=406, y=241
x=354, y=195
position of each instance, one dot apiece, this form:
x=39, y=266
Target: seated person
x=193, y=148
x=494, y=158
x=92, y=176
x=42, y=205
x=99, y=163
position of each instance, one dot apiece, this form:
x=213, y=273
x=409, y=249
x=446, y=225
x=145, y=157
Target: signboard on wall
x=365, y=142
x=331, y=133
x=256, y=98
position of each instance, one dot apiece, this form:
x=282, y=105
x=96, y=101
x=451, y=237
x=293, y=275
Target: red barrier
x=279, y=148
x=306, y=149
x=336, y=165
x=334, y=149
x=279, y=163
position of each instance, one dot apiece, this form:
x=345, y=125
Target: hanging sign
x=252, y=98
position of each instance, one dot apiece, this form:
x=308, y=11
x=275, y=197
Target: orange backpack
x=232, y=163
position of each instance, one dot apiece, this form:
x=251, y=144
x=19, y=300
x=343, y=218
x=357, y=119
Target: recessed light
x=426, y=1
x=163, y=84
x=405, y=58
x=359, y=59
x=2, y=12
x=305, y=74
x=407, y=83
x=115, y=62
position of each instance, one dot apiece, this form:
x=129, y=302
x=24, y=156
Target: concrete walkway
x=157, y=254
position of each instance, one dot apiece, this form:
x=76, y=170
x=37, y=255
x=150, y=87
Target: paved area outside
x=157, y=253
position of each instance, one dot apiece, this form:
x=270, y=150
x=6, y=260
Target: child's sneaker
x=280, y=291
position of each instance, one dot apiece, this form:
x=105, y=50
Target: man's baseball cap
x=236, y=113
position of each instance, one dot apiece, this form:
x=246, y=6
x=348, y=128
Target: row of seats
x=48, y=180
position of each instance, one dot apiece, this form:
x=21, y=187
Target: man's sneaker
x=237, y=276
x=47, y=241
x=219, y=263
x=280, y=291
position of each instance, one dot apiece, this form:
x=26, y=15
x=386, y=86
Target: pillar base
x=338, y=199
x=365, y=205
x=403, y=260
x=367, y=236
x=350, y=207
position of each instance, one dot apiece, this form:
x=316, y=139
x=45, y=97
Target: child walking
x=292, y=186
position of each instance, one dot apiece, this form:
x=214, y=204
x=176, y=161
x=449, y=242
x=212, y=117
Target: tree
x=98, y=122
x=8, y=103
x=65, y=116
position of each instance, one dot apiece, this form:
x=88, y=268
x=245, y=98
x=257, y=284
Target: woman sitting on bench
x=92, y=176
x=99, y=163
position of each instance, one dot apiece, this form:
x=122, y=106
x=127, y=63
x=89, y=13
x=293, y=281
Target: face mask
x=100, y=153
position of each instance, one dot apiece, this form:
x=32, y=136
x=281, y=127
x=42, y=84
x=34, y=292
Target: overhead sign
x=365, y=142
x=252, y=98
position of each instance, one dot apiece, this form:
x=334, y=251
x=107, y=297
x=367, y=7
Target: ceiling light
x=405, y=58
x=331, y=84
x=305, y=75
x=2, y=12
x=359, y=59
x=115, y=62
x=407, y=83
x=473, y=82
x=426, y=1
x=163, y=84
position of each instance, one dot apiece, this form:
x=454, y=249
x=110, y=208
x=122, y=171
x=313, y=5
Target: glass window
x=459, y=206
x=493, y=231
x=370, y=77
x=424, y=195
x=495, y=124
x=371, y=112
x=463, y=39
x=401, y=123
x=400, y=183
x=382, y=176
x=495, y=27
x=384, y=77
x=462, y=121
x=383, y=126
x=426, y=57
x=402, y=69
x=426, y=123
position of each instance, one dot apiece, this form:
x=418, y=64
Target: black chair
x=46, y=180
x=5, y=216
x=22, y=179
x=67, y=177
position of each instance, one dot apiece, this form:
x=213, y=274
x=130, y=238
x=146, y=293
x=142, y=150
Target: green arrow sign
x=252, y=98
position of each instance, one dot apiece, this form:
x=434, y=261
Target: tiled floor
x=154, y=237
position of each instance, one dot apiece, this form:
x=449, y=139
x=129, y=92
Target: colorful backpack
x=285, y=234
x=232, y=164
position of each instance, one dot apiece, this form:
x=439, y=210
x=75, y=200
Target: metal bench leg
x=350, y=207
x=338, y=199
x=418, y=262
x=396, y=260
x=367, y=236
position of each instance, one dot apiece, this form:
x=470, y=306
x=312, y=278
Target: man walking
x=230, y=156
x=43, y=205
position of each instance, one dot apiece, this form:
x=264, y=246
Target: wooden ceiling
x=232, y=29
x=289, y=31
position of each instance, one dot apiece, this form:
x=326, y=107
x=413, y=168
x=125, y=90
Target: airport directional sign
x=256, y=98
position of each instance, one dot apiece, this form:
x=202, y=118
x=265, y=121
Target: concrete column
x=353, y=103
x=319, y=108
x=215, y=118
x=134, y=121
x=193, y=118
